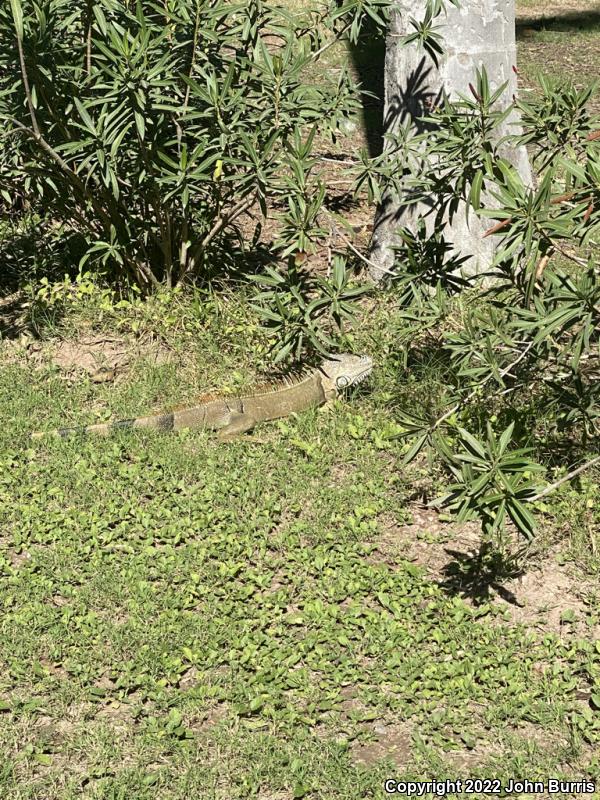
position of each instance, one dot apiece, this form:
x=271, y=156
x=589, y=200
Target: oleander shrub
x=149, y=129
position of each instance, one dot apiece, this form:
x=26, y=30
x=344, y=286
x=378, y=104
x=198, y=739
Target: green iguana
x=231, y=416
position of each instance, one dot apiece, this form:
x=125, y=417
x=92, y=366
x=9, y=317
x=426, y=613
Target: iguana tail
x=158, y=422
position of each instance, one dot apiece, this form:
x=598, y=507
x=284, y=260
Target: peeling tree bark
x=479, y=33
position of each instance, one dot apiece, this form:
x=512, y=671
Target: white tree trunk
x=479, y=33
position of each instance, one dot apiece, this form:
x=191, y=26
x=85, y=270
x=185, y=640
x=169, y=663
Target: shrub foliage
x=150, y=128
x=528, y=341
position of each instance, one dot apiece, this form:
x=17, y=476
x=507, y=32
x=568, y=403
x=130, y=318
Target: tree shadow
x=415, y=101
x=230, y=263
x=342, y=201
x=14, y=316
x=368, y=60
x=410, y=106
x=476, y=576
x=577, y=20
x=17, y=248
x=30, y=249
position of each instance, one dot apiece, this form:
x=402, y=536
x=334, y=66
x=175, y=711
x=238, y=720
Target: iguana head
x=346, y=370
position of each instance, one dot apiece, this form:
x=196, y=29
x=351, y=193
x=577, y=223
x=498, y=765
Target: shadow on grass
x=569, y=20
x=30, y=249
x=475, y=576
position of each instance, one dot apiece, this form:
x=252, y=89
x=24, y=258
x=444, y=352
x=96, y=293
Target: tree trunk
x=479, y=33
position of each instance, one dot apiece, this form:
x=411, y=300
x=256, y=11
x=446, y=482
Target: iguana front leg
x=237, y=424
x=327, y=406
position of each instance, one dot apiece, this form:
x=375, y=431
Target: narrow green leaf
x=17, y=12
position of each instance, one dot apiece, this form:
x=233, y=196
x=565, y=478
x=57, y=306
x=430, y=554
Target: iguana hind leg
x=238, y=424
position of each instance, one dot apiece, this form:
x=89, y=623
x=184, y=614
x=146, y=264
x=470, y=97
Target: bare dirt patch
x=543, y=595
x=209, y=718
x=278, y=796
x=549, y=599
x=544, y=9
x=102, y=357
x=415, y=540
x=119, y=714
x=543, y=738
x=16, y=558
x=466, y=761
x=393, y=743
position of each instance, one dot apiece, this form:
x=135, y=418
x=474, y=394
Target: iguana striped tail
x=234, y=415
x=158, y=422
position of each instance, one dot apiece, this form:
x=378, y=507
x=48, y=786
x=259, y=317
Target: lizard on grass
x=232, y=416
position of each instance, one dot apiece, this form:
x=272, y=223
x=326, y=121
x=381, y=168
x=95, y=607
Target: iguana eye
x=342, y=381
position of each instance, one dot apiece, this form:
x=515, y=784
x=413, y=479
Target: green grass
x=563, y=43
x=183, y=618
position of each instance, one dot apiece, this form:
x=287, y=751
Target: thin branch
x=499, y=226
x=226, y=219
x=160, y=212
x=34, y=121
x=564, y=479
x=222, y=220
x=580, y=261
x=183, y=237
x=79, y=184
x=472, y=394
x=357, y=252
x=145, y=271
x=337, y=38
x=88, y=40
x=186, y=98
x=352, y=162
x=542, y=265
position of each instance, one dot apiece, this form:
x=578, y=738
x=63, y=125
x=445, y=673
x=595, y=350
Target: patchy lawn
x=559, y=39
x=274, y=618
x=280, y=617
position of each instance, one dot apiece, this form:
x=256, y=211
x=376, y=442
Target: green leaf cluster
x=527, y=335
x=306, y=312
x=150, y=129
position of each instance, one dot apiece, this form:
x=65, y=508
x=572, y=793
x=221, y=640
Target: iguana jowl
x=231, y=416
